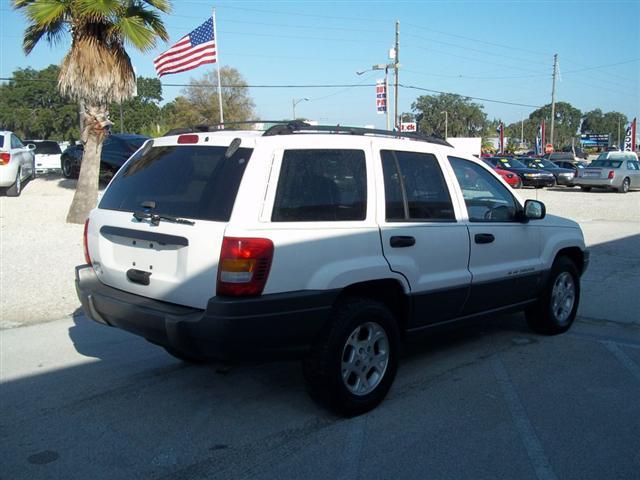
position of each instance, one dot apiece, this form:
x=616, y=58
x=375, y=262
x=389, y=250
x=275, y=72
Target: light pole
x=295, y=102
x=446, y=124
x=385, y=67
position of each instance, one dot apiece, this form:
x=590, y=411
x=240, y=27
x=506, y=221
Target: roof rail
x=299, y=126
x=220, y=127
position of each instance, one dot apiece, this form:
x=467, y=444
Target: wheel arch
x=575, y=254
x=389, y=291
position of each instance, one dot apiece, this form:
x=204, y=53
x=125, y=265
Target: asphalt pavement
x=485, y=400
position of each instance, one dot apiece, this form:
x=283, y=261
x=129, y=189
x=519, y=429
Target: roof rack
x=299, y=126
x=220, y=127
x=288, y=127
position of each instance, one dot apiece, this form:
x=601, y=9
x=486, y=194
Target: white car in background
x=17, y=163
x=48, y=154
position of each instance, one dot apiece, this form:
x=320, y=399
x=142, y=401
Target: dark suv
x=116, y=149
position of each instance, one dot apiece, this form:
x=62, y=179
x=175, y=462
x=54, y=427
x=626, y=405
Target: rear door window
x=321, y=185
x=185, y=181
x=415, y=188
x=47, y=148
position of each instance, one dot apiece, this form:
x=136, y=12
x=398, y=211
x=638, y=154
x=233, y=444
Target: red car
x=511, y=178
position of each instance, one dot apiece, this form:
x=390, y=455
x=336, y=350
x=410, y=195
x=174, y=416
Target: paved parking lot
x=487, y=400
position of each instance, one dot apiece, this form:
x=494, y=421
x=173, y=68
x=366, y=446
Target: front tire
x=556, y=309
x=353, y=364
x=68, y=169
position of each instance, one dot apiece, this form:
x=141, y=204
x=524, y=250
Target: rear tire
x=585, y=189
x=624, y=188
x=557, y=306
x=353, y=364
x=16, y=189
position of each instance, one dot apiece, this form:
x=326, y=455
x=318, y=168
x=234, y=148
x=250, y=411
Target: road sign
x=408, y=127
x=548, y=148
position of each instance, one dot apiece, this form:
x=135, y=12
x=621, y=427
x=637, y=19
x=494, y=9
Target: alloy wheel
x=365, y=358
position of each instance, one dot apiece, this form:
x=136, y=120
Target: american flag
x=195, y=49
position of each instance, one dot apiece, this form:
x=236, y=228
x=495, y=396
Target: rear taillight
x=5, y=158
x=244, y=266
x=611, y=174
x=85, y=244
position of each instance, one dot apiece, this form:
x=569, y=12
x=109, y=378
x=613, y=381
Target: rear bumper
x=277, y=325
x=8, y=174
x=596, y=182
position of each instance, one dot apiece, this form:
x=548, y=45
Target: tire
x=185, y=357
x=16, y=189
x=68, y=169
x=624, y=188
x=360, y=331
x=585, y=189
x=556, y=308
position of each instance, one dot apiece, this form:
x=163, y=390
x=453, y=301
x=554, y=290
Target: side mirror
x=534, y=210
x=31, y=146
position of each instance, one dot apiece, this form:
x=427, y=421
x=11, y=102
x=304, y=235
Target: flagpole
x=215, y=37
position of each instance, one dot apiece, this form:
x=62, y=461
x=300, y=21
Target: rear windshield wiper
x=155, y=218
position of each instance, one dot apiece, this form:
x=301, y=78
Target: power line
x=411, y=87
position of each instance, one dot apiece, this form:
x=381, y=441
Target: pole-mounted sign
x=381, y=96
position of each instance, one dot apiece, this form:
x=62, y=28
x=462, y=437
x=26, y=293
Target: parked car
x=116, y=149
x=561, y=156
x=612, y=170
x=17, y=163
x=47, y=155
x=564, y=176
x=332, y=244
x=531, y=177
x=513, y=179
x=577, y=151
x=575, y=166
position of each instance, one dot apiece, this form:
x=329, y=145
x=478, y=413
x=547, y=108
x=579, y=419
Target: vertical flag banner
x=538, y=146
x=195, y=49
x=381, y=97
x=500, y=131
x=630, y=136
x=544, y=132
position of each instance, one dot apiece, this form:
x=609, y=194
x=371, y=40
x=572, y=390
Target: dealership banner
x=381, y=96
x=500, y=132
x=630, y=136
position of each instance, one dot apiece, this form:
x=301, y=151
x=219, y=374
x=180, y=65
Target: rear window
x=47, y=148
x=321, y=185
x=1, y=141
x=185, y=181
x=606, y=163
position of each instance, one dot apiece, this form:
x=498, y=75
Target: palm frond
x=134, y=31
x=46, y=12
x=99, y=10
x=162, y=5
x=151, y=19
x=53, y=32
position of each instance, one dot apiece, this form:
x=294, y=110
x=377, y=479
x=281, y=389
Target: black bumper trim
x=275, y=325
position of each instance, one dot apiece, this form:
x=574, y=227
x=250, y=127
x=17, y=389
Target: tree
x=141, y=114
x=611, y=123
x=97, y=70
x=566, y=125
x=465, y=118
x=31, y=106
x=199, y=103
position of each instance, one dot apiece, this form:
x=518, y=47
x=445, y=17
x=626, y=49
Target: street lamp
x=295, y=102
x=385, y=67
x=446, y=124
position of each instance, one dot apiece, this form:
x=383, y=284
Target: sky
x=490, y=50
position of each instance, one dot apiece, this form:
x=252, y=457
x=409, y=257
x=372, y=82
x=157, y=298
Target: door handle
x=484, y=238
x=402, y=241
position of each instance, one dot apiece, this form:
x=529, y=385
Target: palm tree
x=97, y=70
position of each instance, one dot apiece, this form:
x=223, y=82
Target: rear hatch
x=47, y=155
x=158, y=229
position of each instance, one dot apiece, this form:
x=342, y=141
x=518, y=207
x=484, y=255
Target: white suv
x=332, y=244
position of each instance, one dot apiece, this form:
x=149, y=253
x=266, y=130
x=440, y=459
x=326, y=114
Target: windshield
x=184, y=181
x=606, y=163
x=510, y=163
x=546, y=163
x=47, y=148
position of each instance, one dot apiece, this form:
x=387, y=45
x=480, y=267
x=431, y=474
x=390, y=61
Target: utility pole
x=521, y=130
x=618, y=132
x=446, y=124
x=121, y=119
x=553, y=96
x=396, y=65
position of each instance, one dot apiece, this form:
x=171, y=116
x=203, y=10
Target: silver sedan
x=619, y=172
